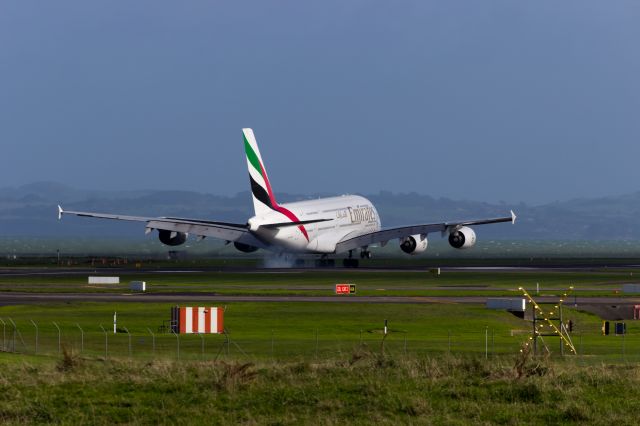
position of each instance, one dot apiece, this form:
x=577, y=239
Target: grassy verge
x=362, y=387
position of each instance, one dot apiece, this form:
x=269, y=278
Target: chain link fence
x=99, y=341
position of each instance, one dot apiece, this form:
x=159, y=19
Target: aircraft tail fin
x=263, y=199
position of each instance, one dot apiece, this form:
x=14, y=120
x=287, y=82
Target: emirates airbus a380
x=326, y=226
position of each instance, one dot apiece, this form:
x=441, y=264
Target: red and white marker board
x=197, y=319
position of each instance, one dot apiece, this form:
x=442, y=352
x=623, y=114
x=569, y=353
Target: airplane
x=325, y=226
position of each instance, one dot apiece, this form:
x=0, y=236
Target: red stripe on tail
x=292, y=217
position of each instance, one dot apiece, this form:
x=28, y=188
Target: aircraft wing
x=234, y=232
x=384, y=235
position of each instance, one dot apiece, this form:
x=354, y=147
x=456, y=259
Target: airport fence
x=99, y=341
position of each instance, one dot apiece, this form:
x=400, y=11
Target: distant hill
x=30, y=211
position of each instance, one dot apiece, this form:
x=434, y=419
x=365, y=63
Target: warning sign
x=345, y=288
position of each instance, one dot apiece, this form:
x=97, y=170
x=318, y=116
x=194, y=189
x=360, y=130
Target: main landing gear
x=350, y=262
x=365, y=254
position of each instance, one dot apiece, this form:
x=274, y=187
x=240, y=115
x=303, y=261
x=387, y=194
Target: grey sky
x=485, y=100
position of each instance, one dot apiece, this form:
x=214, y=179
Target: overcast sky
x=529, y=101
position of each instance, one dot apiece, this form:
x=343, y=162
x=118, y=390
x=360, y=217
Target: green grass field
x=360, y=387
x=290, y=330
x=314, y=363
x=300, y=331
x=275, y=372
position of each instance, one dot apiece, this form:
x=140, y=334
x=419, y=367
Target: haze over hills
x=30, y=211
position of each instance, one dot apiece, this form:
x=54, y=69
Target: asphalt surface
x=54, y=271
x=15, y=298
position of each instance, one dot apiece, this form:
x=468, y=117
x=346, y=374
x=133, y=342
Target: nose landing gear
x=325, y=262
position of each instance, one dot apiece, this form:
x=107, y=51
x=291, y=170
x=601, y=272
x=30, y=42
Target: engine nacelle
x=462, y=238
x=414, y=244
x=245, y=248
x=172, y=238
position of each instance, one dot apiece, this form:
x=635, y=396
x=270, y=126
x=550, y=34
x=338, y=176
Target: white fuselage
x=348, y=216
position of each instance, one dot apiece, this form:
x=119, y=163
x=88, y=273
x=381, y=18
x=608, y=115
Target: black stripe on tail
x=260, y=193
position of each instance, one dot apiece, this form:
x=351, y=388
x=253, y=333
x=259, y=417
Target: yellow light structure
x=558, y=331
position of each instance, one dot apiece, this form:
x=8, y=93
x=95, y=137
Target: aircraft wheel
x=325, y=263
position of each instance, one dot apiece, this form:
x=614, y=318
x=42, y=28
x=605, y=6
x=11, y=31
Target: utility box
x=138, y=286
x=631, y=288
x=507, y=304
x=197, y=319
x=620, y=328
x=104, y=280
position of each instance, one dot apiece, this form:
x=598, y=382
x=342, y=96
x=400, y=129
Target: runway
x=16, y=298
x=58, y=272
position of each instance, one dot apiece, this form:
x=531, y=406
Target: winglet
x=60, y=212
x=513, y=217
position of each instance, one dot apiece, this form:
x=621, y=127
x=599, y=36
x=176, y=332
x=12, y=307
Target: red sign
x=345, y=288
x=342, y=288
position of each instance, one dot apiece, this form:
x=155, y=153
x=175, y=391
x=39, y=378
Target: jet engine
x=245, y=248
x=414, y=244
x=172, y=238
x=462, y=238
